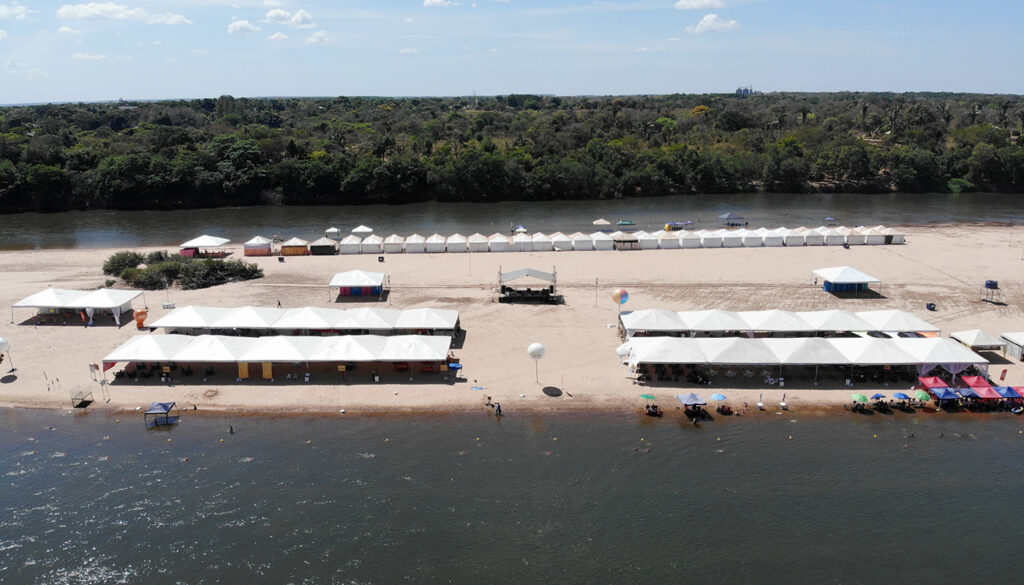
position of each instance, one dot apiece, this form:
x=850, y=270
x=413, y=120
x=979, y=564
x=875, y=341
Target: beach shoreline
x=946, y=265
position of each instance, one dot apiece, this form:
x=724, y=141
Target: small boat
x=626, y=222
x=1017, y=409
x=673, y=226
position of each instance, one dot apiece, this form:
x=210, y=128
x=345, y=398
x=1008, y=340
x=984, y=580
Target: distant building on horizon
x=745, y=91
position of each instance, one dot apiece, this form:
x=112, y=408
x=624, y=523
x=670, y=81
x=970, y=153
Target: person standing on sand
x=497, y=409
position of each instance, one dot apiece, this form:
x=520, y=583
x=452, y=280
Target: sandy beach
x=945, y=265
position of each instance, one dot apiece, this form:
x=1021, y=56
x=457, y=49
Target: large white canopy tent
x=560, y=241
x=774, y=321
x=978, y=340
x=225, y=349
x=394, y=244
x=415, y=244
x=456, y=243
x=924, y=354
x=359, y=283
x=55, y=300
x=205, y=319
x=844, y=279
x=204, y=241
x=435, y=243
x=372, y=244
x=350, y=244
x=478, y=243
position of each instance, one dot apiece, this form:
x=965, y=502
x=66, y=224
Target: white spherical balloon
x=536, y=350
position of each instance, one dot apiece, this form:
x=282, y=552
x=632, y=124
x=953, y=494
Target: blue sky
x=154, y=49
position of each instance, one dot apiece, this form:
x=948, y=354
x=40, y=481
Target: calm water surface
x=97, y=229
x=466, y=499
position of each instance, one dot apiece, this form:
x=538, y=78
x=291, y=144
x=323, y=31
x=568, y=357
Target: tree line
x=355, y=150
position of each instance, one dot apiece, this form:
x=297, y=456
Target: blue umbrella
x=718, y=397
x=1007, y=392
x=878, y=396
x=901, y=396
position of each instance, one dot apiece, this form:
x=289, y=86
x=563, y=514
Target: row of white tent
x=279, y=348
x=539, y=242
x=921, y=353
x=308, y=318
x=57, y=298
x=775, y=321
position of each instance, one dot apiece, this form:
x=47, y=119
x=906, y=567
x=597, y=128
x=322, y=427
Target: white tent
x=694, y=240
x=435, y=243
x=874, y=236
x=844, y=275
x=415, y=244
x=581, y=241
x=427, y=318
x=55, y=298
x=645, y=240
x=651, y=320
x=204, y=242
x=542, y=243
x=522, y=242
x=731, y=238
x=347, y=348
x=362, y=229
x=708, y=238
x=856, y=237
x=372, y=244
x=415, y=348
x=498, y=243
x=737, y=350
x=1014, y=343
x=278, y=348
x=663, y=350
x=602, y=241
x=191, y=317
x=813, y=237
x=870, y=351
x=367, y=319
x=976, y=339
x=456, y=243
x=752, y=238
x=560, y=241
x=895, y=320
x=350, y=244
x=894, y=236
x=323, y=246
x=258, y=246
x=773, y=238
x=357, y=278
x=394, y=244
x=213, y=349
x=774, y=320
x=667, y=240
x=795, y=236
x=147, y=348
x=249, y=318
x=713, y=320
x=835, y=320
x=116, y=301
x=833, y=237
x=108, y=298
x=806, y=351
x=333, y=233
x=477, y=243
x=308, y=318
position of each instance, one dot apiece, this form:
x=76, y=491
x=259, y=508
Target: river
x=467, y=499
x=102, y=229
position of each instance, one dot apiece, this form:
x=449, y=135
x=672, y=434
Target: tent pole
x=12, y=361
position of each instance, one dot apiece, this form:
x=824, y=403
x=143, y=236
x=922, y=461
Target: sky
x=53, y=51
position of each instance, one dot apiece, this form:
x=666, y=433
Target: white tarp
x=730, y=238
x=205, y=242
x=835, y=320
x=108, y=298
x=708, y=238
x=357, y=278
x=795, y=236
x=213, y=349
x=367, y=318
x=978, y=339
x=773, y=321
x=773, y=238
x=844, y=275
x=752, y=238
x=667, y=240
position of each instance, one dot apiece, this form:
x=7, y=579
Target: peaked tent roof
x=427, y=318
x=806, y=351
x=191, y=317
x=357, y=278
x=835, y=320
x=249, y=318
x=258, y=241
x=931, y=382
x=524, y=272
x=214, y=348
x=307, y=318
x=845, y=275
x=52, y=297
x=373, y=239
x=205, y=241
x=652, y=320
x=730, y=215
x=713, y=320
x=351, y=239
x=977, y=338
x=362, y=229
x=104, y=298
x=370, y=318
x=294, y=242
x=477, y=238
x=107, y=298
x=418, y=348
x=774, y=320
x=895, y=320
x=143, y=348
x=324, y=241
x=394, y=239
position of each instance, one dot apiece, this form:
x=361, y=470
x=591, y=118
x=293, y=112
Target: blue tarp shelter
x=160, y=411
x=691, y=399
x=968, y=392
x=944, y=394
x=1007, y=392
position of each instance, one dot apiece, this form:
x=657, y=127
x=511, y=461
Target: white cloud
x=712, y=23
x=409, y=51
x=300, y=19
x=238, y=27
x=408, y=19
x=271, y=3
x=3, y=35
x=67, y=30
x=15, y=11
x=429, y=3
x=698, y=4
x=112, y=11
x=87, y=57
x=278, y=36
x=673, y=39
x=318, y=38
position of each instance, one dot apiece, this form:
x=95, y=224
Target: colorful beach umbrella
x=878, y=396
x=901, y=396
x=718, y=397
x=620, y=296
x=922, y=395
x=647, y=396
x=859, y=398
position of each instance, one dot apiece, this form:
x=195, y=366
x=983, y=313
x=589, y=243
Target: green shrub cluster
x=121, y=261
x=164, y=270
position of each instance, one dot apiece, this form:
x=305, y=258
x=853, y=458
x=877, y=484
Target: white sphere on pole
x=536, y=350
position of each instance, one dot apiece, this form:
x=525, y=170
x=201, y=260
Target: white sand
x=946, y=265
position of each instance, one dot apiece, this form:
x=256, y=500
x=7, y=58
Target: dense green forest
x=346, y=150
